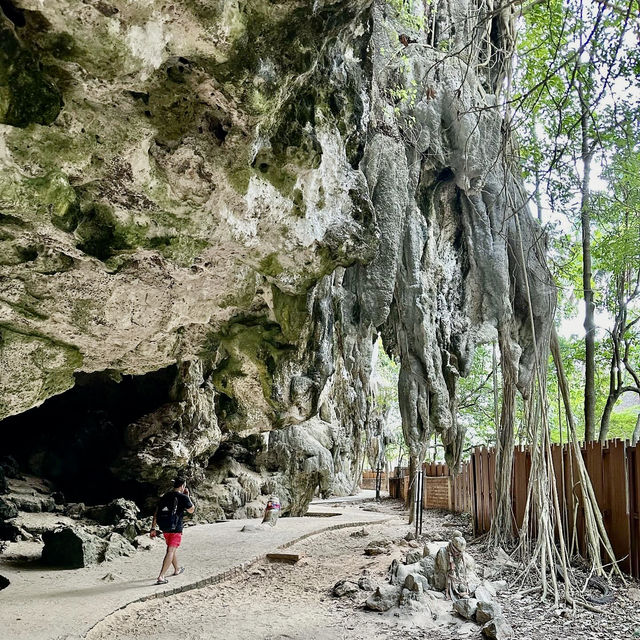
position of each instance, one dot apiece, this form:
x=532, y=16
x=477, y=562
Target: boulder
x=427, y=567
x=117, y=546
x=7, y=509
x=416, y=583
x=75, y=509
x=35, y=503
x=383, y=599
x=254, y=509
x=344, y=588
x=72, y=548
x=498, y=629
x=399, y=572
x=466, y=607
x=413, y=556
x=431, y=549
x=127, y=529
x=482, y=594
x=366, y=583
x=499, y=585
x=487, y=611
x=374, y=551
x=9, y=467
x=11, y=531
x=360, y=533
x=144, y=542
x=112, y=513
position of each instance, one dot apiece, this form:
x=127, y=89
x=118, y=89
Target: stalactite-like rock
x=255, y=191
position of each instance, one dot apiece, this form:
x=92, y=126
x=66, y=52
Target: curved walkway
x=48, y=604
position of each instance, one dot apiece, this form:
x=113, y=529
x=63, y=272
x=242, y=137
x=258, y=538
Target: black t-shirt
x=166, y=505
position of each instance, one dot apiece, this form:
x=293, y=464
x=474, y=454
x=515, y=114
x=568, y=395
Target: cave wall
x=252, y=191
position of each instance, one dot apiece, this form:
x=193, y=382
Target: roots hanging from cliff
x=501, y=533
x=542, y=524
x=595, y=532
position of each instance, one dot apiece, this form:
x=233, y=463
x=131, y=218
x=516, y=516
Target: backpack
x=167, y=517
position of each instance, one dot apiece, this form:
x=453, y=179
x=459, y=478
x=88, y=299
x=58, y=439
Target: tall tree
x=587, y=147
x=572, y=58
x=617, y=253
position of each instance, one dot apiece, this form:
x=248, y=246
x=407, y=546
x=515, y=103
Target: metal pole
x=421, y=498
x=417, y=492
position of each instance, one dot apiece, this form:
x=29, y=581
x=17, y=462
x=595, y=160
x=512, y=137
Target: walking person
x=168, y=517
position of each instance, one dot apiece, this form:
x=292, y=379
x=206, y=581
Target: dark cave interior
x=73, y=438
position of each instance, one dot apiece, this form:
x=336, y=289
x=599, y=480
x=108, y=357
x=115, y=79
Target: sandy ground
x=274, y=601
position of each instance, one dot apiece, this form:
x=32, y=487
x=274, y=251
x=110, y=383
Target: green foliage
x=406, y=14
x=623, y=422
x=475, y=399
x=387, y=373
x=575, y=104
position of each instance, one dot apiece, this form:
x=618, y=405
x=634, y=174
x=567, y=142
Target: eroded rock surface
x=253, y=191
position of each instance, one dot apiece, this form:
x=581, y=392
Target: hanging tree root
x=542, y=511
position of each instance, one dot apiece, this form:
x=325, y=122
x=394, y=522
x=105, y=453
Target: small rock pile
x=435, y=581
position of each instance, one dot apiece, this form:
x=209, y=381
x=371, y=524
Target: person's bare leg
x=168, y=560
x=176, y=566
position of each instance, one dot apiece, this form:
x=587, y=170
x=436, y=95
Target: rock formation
x=246, y=194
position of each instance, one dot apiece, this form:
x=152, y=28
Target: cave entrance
x=72, y=439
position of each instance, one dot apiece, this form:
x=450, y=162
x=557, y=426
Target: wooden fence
x=438, y=491
x=368, y=480
x=614, y=469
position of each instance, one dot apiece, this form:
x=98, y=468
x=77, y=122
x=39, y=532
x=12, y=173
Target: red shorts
x=173, y=539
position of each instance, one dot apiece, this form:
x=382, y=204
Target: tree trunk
x=496, y=411
x=636, y=432
x=563, y=383
x=615, y=365
x=606, y=416
x=502, y=523
x=589, y=322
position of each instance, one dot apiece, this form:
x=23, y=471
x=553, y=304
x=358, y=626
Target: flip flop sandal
x=164, y=581
x=178, y=572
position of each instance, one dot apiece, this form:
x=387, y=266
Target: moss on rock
x=22, y=354
x=291, y=313
x=27, y=95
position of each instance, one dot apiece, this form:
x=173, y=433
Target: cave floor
x=45, y=604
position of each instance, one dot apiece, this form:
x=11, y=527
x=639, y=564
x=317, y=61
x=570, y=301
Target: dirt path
x=274, y=601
